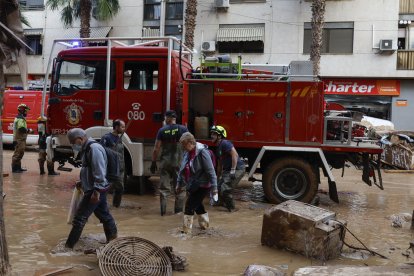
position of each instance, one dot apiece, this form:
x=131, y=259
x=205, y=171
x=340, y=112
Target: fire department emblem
x=73, y=113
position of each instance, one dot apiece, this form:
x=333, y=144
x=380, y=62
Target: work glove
x=153, y=168
x=233, y=174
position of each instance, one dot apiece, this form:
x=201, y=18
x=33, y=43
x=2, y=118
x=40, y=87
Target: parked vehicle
x=11, y=99
x=277, y=122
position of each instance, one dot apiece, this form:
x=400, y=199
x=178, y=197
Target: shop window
x=34, y=42
x=174, y=10
x=240, y=46
x=337, y=38
x=152, y=9
x=141, y=76
x=31, y=4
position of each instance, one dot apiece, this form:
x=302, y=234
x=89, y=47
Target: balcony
x=406, y=6
x=405, y=60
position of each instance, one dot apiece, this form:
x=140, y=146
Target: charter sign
x=358, y=87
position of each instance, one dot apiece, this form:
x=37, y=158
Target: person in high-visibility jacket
x=20, y=132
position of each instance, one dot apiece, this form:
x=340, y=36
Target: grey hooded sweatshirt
x=202, y=173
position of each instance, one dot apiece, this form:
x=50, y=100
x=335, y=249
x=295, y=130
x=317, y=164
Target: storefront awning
x=241, y=34
x=95, y=32
x=28, y=32
x=147, y=32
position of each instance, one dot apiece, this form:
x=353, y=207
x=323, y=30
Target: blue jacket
x=93, y=172
x=202, y=173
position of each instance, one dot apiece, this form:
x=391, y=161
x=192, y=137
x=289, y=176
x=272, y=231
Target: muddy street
x=36, y=211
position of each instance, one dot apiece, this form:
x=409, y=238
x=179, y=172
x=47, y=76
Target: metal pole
x=45, y=81
x=108, y=82
x=168, y=104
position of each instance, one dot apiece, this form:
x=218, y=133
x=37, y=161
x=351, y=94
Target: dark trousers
x=86, y=208
x=194, y=202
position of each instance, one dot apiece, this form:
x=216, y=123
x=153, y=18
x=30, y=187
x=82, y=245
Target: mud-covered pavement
x=36, y=209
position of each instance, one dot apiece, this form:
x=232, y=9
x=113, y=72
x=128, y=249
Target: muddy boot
x=179, y=203
x=116, y=200
x=163, y=205
x=73, y=237
x=187, y=224
x=110, y=233
x=229, y=202
x=16, y=169
x=42, y=167
x=51, y=169
x=203, y=221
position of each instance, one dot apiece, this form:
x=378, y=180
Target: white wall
x=283, y=21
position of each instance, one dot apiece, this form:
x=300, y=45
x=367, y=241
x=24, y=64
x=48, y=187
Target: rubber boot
x=163, y=205
x=110, y=234
x=179, y=203
x=42, y=167
x=203, y=221
x=116, y=200
x=229, y=202
x=73, y=237
x=187, y=224
x=51, y=169
x=16, y=169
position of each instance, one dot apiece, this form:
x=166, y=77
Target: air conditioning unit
x=223, y=4
x=208, y=46
x=385, y=45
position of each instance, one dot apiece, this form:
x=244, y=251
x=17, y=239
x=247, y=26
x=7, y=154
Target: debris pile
x=398, y=150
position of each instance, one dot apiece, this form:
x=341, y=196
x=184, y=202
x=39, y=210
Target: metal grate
x=133, y=256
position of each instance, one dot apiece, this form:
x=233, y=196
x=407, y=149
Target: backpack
x=213, y=158
x=112, y=168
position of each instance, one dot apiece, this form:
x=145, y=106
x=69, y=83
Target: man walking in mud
x=167, y=141
x=94, y=185
x=113, y=140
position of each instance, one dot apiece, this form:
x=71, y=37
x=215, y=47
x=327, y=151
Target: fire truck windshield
x=75, y=75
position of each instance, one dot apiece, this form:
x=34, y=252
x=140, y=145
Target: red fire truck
x=11, y=99
x=276, y=122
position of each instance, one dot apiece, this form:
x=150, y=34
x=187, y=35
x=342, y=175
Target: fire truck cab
x=277, y=122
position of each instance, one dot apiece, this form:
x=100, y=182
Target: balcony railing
x=406, y=6
x=405, y=60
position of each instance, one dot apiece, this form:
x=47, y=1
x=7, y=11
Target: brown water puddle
x=36, y=228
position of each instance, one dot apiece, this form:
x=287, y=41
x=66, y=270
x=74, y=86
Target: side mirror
x=57, y=87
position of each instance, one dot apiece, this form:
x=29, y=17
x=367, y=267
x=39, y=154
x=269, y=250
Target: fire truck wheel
x=290, y=178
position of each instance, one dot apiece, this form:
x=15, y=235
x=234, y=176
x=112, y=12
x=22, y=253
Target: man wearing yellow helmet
x=231, y=168
x=41, y=129
x=20, y=132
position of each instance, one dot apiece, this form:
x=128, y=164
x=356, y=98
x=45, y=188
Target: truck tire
x=289, y=178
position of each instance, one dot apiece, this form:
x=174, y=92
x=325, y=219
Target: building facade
x=368, y=45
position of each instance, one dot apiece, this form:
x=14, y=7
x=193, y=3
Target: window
x=337, y=38
x=82, y=75
x=34, y=42
x=244, y=38
x=152, y=10
x=140, y=75
x=174, y=10
x=31, y=4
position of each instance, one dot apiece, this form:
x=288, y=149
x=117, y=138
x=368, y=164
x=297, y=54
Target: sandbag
x=77, y=196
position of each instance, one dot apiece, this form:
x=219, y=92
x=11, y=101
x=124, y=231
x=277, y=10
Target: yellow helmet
x=22, y=106
x=219, y=130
